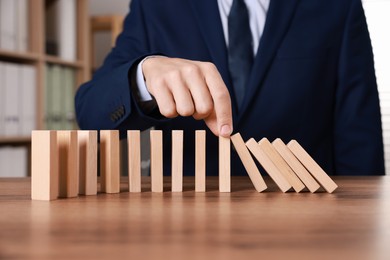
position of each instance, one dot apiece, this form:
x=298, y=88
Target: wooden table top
x=352, y=222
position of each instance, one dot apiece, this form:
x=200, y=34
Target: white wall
x=378, y=19
x=101, y=7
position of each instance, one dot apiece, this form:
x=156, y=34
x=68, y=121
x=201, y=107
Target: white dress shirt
x=257, y=15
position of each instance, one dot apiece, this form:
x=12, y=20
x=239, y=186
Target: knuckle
x=191, y=69
x=186, y=110
x=167, y=111
x=204, y=109
x=209, y=66
x=222, y=96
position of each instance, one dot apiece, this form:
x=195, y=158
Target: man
x=297, y=69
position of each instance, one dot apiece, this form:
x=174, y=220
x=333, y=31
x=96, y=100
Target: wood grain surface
x=351, y=223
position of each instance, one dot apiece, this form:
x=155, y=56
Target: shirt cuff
x=143, y=93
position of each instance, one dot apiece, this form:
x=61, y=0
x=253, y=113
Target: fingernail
x=226, y=130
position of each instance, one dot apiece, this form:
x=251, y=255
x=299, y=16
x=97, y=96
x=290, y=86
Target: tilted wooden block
x=156, y=160
x=109, y=161
x=200, y=161
x=177, y=161
x=134, y=153
x=44, y=165
x=87, y=150
x=268, y=165
x=294, y=163
x=249, y=164
x=68, y=164
x=318, y=173
x=224, y=164
x=283, y=167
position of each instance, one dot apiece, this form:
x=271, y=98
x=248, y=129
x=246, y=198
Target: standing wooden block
x=156, y=160
x=87, y=144
x=68, y=164
x=44, y=165
x=268, y=165
x=318, y=173
x=134, y=153
x=109, y=161
x=200, y=161
x=297, y=167
x=283, y=167
x=249, y=164
x=224, y=164
x=177, y=161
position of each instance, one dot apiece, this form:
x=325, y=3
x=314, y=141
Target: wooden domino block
x=68, y=164
x=268, y=165
x=283, y=167
x=134, y=161
x=44, y=165
x=249, y=164
x=156, y=160
x=177, y=161
x=109, y=161
x=224, y=164
x=318, y=173
x=200, y=161
x=297, y=167
x=87, y=150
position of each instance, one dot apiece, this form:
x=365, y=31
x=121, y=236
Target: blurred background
x=49, y=47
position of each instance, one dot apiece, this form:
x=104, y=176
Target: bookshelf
x=34, y=55
x=37, y=57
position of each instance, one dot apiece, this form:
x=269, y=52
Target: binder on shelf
x=8, y=24
x=51, y=37
x=2, y=97
x=61, y=29
x=11, y=110
x=68, y=90
x=22, y=25
x=67, y=21
x=27, y=88
x=8, y=157
x=47, y=97
x=56, y=100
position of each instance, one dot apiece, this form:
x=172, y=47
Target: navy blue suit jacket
x=312, y=80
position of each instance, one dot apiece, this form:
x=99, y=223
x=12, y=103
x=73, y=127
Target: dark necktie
x=240, y=48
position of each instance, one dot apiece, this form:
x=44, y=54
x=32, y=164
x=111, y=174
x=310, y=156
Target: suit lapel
x=209, y=21
x=279, y=16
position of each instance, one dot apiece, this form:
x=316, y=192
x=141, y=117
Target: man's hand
x=190, y=88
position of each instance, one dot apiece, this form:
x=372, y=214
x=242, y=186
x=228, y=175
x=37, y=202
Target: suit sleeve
x=358, y=144
x=107, y=101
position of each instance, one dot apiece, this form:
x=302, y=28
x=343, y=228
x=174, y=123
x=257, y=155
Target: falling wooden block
x=156, y=160
x=297, y=167
x=318, y=173
x=224, y=164
x=177, y=161
x=283, y=167
x=109, y=161
x=268, y=165
x=68, y=164
x=200, y=161
x=44, y=165
x=249, y=164
x=134, y=153
x=87, y=150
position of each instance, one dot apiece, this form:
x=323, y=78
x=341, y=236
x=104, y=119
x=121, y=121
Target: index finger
x=221, y=99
